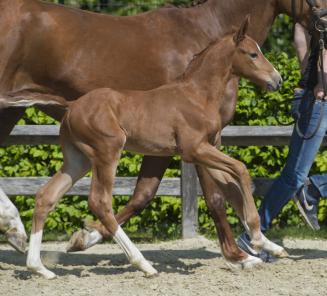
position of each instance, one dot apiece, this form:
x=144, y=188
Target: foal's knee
x=100, y=207
x=93, y=204
x=43, y=203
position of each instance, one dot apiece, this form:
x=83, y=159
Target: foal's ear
x=240, y=34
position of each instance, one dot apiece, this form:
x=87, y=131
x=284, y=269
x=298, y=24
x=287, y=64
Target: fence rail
x=187, y=187
x=231, y=135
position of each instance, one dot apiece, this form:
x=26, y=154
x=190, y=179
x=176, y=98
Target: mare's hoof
x=247, y=263
x=78, y=241
x=17, y=240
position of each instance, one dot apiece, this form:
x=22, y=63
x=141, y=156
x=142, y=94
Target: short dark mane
x=194, y=3
x=196, y=60
x=198, y=57
x=197, y=2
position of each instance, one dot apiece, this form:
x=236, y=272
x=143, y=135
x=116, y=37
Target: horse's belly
x=149, y=147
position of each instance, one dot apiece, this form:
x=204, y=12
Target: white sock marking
x=94, y=237
x=132, y=252
x=34, y=262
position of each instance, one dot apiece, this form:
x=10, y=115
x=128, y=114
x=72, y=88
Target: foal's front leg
x=100, y=203
x=233, y=170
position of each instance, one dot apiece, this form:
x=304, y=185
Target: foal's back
x=152, y=120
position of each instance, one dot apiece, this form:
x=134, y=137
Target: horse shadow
x=306, y=254
x=165, y=261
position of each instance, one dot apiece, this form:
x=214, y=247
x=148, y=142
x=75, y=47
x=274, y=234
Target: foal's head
x=249, y=61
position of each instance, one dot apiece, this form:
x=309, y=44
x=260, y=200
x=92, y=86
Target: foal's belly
x=150, y=147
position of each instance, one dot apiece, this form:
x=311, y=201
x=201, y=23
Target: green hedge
x=162, y=218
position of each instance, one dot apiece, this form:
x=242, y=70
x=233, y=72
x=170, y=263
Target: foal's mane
x=197, y=59
x=196, y=3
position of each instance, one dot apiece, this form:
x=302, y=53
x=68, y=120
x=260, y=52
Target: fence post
x=189, y=200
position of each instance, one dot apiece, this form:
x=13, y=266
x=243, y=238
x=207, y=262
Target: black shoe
x=244, y=243
x=307, y=199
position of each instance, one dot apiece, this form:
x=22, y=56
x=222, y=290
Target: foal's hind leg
x=104, y=158
x=215, y=201
x=235, y=257
x=75, y=166
x=235, y=197
x=214, y=160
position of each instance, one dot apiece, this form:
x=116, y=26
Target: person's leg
x=301, y=155
x=319, y=183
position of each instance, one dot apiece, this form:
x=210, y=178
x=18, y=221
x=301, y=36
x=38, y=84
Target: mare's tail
x=29, y=98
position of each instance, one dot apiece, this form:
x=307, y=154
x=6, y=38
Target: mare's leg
x=104, y=155
x=151, y=173
x=8, y=119
x=10, y=221
x=75, y=166
x=233, y=170
x=11, y=224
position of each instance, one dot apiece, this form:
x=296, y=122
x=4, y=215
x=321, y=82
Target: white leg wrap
x=33, y=258
x=133, y=254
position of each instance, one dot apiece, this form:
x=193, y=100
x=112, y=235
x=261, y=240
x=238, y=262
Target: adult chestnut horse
x=51, y=49
x=182, y=117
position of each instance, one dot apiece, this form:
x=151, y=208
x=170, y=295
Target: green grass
x=303, y=232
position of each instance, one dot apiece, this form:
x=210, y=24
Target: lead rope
x=321, y=49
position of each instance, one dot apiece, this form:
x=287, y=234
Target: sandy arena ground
x=190, y=267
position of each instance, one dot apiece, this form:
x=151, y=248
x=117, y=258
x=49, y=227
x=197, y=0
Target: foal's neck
x=210, y=71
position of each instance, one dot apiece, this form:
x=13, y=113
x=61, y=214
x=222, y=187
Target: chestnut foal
x=183, y=117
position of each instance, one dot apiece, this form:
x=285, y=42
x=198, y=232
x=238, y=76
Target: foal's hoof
x=273, y=248
x=78, y=241
x=247, y=263
x=281, y=253
x=17, y=240
x=43, y=272
x=146, y=267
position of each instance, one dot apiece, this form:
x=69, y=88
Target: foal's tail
x=29, y=98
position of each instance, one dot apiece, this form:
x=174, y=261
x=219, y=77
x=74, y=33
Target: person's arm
x=319, y=89
x=302, y=44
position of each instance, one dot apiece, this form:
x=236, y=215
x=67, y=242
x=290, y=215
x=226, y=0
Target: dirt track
x=191, y=267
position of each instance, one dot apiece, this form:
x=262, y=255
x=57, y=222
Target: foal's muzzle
x=275, y=82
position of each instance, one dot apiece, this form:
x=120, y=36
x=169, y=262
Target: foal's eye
x=253, y=55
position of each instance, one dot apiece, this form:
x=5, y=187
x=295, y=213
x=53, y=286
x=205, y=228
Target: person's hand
x=319, y=93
